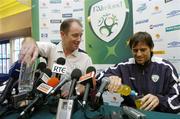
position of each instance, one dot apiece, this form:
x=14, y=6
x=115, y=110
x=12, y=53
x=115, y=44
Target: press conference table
x=103, y=110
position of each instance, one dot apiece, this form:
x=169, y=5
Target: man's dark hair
x=67, y=23
x=141, y=37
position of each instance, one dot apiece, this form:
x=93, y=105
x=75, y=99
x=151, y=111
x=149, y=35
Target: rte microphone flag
x=59, y=67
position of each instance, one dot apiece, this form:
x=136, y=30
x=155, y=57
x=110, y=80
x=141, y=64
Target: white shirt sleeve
x=45, y=48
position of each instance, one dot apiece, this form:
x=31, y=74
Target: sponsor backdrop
x=109, y=23
x=53, y=12
x=161, y=18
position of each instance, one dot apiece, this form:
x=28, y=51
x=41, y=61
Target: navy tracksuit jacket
x=157, y=77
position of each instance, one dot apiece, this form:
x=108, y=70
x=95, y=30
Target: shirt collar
x=60, y=49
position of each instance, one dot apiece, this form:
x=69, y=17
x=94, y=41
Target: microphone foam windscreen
x=53, y=81
x=47, y=71
x=76, y=73
x=61, y=61
x=41, y=66
x=90, y=69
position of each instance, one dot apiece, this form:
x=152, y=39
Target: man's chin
x=140, y=62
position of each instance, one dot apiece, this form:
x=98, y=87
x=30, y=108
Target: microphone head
x=15, y=70
x=93, y=81
x=61, y=61
x=90, y=69
x=41, y=66
x=53, y=82
x=47, y=71
x=76, y=74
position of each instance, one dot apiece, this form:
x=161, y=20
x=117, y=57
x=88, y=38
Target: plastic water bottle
x=126, y=90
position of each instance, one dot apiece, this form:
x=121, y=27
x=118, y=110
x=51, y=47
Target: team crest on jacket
x=154, y=78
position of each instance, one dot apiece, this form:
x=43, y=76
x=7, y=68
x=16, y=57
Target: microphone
x=53, y=82
x=59, y=85
x=13, y=79
x=105, y=82
x=75, y=75
x=59, y=67
x=65, y=106
x=43, y=77
x=133, y=113
x=88, y=81
x=31, y=105
x=46, y=73
x=41, y=97
x=47, y=88
x=40, y=67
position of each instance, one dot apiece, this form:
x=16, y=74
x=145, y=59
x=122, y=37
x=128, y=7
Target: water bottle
x=126, y=90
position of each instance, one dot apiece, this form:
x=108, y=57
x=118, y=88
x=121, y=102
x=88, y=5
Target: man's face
x=141, y=52
x=72, y=39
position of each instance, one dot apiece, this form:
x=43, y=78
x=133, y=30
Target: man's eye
x=75, y=35
x=134, y=50
x=143, y=50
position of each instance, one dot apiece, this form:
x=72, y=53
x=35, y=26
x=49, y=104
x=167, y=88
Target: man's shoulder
x=126, y=62
x=82, y=51
x=83, y=55
x=160, y=60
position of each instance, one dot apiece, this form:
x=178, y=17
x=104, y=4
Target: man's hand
x=115, y=83
x=149, y=102
x=80, y=89
x=29, y=51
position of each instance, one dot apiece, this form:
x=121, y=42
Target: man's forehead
x=140, y=46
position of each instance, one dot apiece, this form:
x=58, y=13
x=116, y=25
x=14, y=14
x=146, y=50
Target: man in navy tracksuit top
x=154, y=78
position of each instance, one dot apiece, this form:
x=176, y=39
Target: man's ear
x=151, y=49
x=62, y=33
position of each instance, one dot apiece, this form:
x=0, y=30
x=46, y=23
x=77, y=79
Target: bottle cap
x=133, y=93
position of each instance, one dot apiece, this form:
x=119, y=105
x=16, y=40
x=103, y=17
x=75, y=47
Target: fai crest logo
x=154, y=78
x=107, y=18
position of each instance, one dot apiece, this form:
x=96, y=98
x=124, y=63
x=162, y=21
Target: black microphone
x=75, y=75
x=59, y=68
x=66, y=106
x=44, y=76
x=13, y=78
x=38, y=98
x=38, y=89
x=40, y=67
x=105, y=82
x=88, y=82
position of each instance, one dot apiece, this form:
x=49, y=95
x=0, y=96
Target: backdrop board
x=161, y=18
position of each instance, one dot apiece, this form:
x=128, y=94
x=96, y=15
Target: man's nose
x=79, y=39
x=139, y=53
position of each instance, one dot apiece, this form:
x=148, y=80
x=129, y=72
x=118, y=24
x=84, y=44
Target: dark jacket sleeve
x=106, y=73
x=170, y=102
